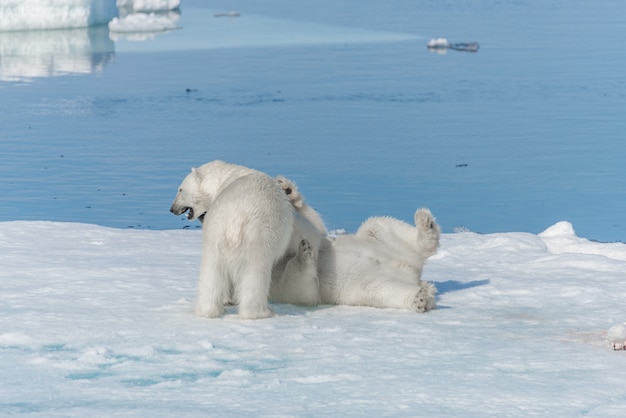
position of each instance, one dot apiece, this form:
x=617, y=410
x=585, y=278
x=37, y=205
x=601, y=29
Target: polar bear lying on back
x=380, y=266
x=248, y=226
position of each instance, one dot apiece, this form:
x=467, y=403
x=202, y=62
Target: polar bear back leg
x=353, y=272
x=396, y=239
x=397, y=294
x=401, y=241
x=418, y=296
x=252, y=290
x=428, y=232
x=252, y=276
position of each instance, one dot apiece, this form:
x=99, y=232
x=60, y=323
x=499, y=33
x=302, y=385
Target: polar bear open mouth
x=187, y=210
x=190, y=213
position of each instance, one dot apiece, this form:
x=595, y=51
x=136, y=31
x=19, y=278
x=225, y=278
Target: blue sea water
x=342, y=97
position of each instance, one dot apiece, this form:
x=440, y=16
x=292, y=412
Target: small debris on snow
x=617, y=336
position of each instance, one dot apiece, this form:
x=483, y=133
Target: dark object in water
x=443, y=44
x=227, y=14
x=465, y=46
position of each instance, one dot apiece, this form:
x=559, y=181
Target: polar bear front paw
x=306, y=255
x=208, y=311
x=292, y=192
x=425, y=298
x=305, y=250
x=258, y=313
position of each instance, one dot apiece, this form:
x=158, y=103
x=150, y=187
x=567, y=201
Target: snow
x=617, y=335
x=561, y=238
x=97, y=321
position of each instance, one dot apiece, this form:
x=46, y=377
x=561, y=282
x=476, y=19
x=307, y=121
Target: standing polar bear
x=380, y=265
x=248, y=226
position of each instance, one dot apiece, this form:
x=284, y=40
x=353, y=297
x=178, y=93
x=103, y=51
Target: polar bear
x=362, y=270
x=401, y=241
x=247, y=227
x=379, y=266
x=295, y=276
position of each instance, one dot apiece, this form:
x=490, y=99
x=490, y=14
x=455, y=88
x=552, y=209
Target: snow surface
x=97, y=321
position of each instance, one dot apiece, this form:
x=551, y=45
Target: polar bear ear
x=194, y=170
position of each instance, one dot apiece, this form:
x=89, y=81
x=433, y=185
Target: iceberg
x=145, y=22
x=17, y=15
x=148, y=5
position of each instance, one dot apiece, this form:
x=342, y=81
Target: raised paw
x=428, y=231
x=424, y=220
x=305, y=249
x=425, y=298
x=290, y=189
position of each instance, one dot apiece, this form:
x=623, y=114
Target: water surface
x=345, y=99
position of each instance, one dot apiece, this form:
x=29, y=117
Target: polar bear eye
x=432, y=225
x=288, y=191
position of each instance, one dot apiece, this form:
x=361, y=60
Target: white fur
x=294, y=278
x=381, y=265
x=359, y=270
x=247, y=228
x=403, y=242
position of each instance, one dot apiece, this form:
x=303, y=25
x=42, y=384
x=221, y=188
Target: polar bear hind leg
x=428, y=232
x=401, y=241
x=251, y=292
x=396, y=294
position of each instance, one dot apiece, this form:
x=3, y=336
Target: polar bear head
x=190, y=199
x=203, y=185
